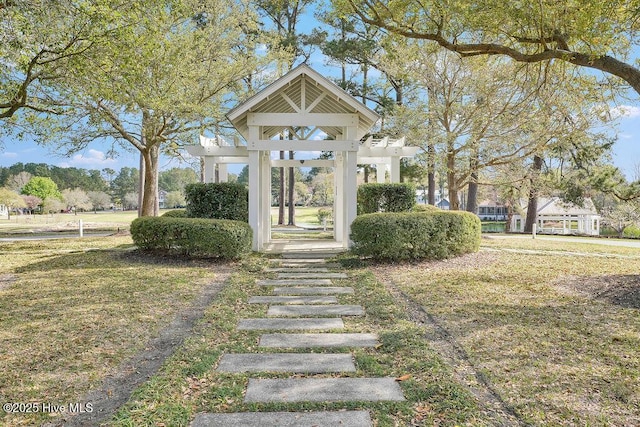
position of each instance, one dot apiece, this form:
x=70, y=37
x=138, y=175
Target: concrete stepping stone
x=287, y=362
x=290, y=324
x=293, y=300
x=323, y=390
x=303, y=263
x=297, y=269
x=285, y=419
x=312, y=290
x=317, y=340
x=309, y=255
x=284, y=282
x=315, y=310
x=318, y=275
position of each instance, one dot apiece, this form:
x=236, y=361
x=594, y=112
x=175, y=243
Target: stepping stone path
x=304, y=299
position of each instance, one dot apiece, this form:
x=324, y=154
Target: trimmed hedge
x=197, y=237
x=396, y=236
x=224, y=200
x=425, y=208
x=175, y=213
x=395, y=197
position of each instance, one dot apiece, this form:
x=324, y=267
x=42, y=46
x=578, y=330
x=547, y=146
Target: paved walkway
x=303, y=312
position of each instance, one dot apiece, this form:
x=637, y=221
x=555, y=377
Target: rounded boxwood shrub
x=175, y=213
x=425, y=208
x=397, y=236
x=197, y=237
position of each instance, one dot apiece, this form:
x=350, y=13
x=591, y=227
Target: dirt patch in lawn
x=6, y=280
x=116, y=389
x=618, y=289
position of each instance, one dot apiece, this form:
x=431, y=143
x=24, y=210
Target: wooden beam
x=314, y=163
x=302, y=119
x=198, y=150
x=297, y=145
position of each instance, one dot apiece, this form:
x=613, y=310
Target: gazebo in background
x=557, y=217
x=319, y=116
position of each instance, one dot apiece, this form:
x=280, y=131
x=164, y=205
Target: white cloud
x=625, y=111
x=92, y=159
x=10, y=155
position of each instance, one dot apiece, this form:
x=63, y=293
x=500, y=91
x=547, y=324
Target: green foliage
x=398, y=197
x=397, y=236
x=175, y=213
x=224, y=200
x=632, y=231
x=197, y=237
x=425, y=208
x=84, y=179
x=42, y=187
x=324, y=214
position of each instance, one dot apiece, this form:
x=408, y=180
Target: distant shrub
x=425, y=208
x=175, y=213
x=324, y=214
x=197, y=237
x=396, y=197
x=415, y=235
x=225, y=200
x=632, y=231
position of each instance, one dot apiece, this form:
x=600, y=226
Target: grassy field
x=72, y=309
x=553, y=328
x=33, y=224
x=555, y=331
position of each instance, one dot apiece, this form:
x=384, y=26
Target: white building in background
x=558, y=217
x=4, y=212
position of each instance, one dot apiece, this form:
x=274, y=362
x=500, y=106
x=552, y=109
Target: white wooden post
x=223, y=174
x=381, y=170
x=338, y=200
x=265, y=197
x=350, y=194
x=254, y=197
x=350, y=168
x=395, y=169
x=209, y=169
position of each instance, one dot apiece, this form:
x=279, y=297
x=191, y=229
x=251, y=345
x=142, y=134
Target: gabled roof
x=302, y=90
x=554, y=206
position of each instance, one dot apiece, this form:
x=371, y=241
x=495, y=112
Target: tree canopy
x=586, y=33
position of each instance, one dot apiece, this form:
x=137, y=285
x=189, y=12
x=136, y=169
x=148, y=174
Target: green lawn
x=553, y=330
x=107, y=221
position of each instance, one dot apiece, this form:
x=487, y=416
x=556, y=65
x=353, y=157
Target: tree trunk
x=141, y=184
x=507, y=225
x=150, y=198
x=472, y=198
x=291, y=191
x=431, y=175
x=532, y=204
x=454, y=203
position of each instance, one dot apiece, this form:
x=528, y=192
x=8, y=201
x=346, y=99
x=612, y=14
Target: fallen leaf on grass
x=403, y=377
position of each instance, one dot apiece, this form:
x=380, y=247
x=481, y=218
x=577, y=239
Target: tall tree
x=161, y=80
x=39, y=44
x=595, y=35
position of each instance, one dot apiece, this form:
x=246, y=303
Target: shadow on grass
x=115, y=258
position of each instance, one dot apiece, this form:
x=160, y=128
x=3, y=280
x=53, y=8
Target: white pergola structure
x=308, y=106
